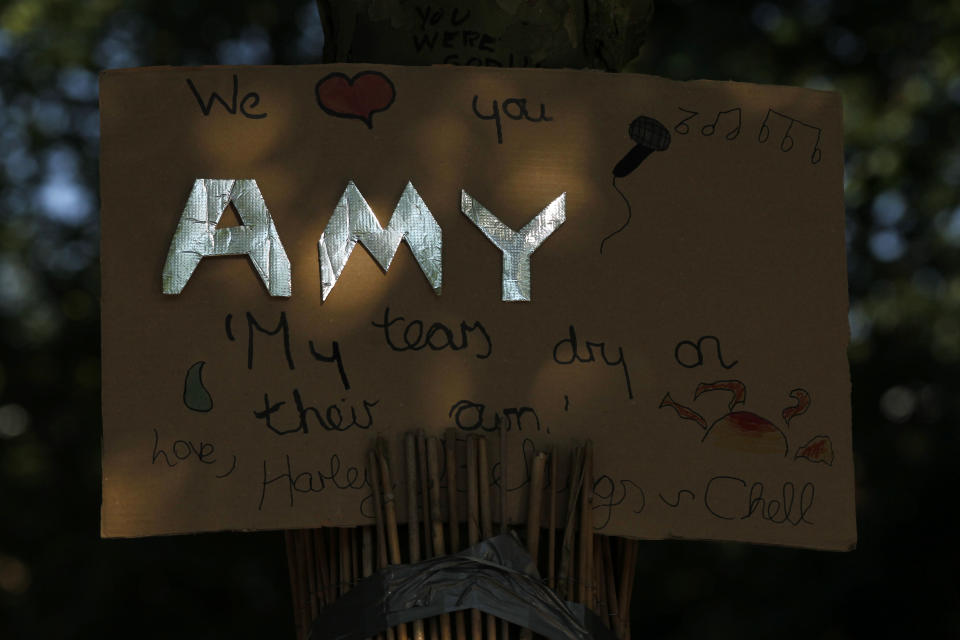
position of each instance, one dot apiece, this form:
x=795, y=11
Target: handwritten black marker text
x=568, y=350
x=250, y=100
x=513, y=108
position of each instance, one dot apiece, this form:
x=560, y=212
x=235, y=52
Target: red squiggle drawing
x=742, y=430
x=819, y=449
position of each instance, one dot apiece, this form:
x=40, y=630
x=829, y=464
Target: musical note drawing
x=709, y=129
x=683, y=123
x=683, y=128
x=786, y=143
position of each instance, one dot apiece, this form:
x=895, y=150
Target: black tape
x=496, y=576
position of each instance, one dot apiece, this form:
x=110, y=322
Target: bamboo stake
x=439, y=548
x=413, y=524
x=586, y=527
x=345, y=561
x=565, y=580
x=413, y=515
x=367, y=554
x=483, y=479
x=427, y=519
x=608, y=568
x=378, y=506
x=389, y=508
x=367, y=559
x=626, y=585
x=599, y=584
x=635, y=548
x=504, y=513
x=424, y=483
x=486, y=515
x=473, y=524
x=503, y=480
x=390, y=517
x=354, y=556
x=292, y=569
x=436, y=520
x=622, y=591
x=534, y=506
x=311, y=574
x=320, y=566
x=450, y=446
x=552, y=523
x=373, y=470
x=333, y=561
x=302, y=583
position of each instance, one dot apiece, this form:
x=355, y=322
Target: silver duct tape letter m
x=353, y=221
x=517, y=246
x=197, y=236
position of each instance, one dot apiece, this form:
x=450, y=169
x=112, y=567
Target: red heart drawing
x=361, y=96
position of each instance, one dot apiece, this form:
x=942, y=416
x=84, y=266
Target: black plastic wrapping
x=496, y=576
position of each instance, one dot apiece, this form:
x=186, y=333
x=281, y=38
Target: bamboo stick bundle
x=390, y=518
x=325, y=562
x=473, y=524
x=453, y=522
x=436, y=521
x=486, y=512
x=413, y=524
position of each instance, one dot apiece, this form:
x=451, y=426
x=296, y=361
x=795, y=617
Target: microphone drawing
x=650, y=136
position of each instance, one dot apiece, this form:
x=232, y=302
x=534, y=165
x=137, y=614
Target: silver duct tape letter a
x=197, y=236
x=517, y=246
x=353, y=221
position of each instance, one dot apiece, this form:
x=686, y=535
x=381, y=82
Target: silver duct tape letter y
x=517, y=246
x=353, y=221
x=197, y=236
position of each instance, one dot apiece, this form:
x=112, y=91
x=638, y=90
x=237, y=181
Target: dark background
x=897, y=66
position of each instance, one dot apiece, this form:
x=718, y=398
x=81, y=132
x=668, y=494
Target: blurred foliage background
x=897, y=66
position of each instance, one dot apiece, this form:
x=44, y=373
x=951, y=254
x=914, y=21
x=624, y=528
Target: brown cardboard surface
x=731, y=268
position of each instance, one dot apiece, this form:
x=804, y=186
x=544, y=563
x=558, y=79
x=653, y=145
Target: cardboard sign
x=655, y=265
